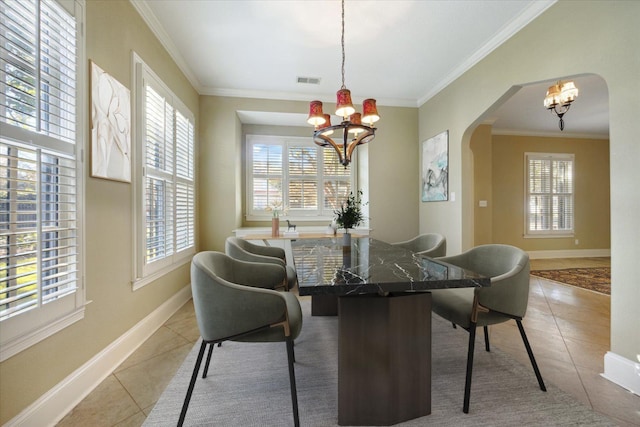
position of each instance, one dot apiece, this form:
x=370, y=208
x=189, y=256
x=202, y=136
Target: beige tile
x=134, y=421
x=107, y=405
x=609, y=398
x=557, y=263
x=590, y=332
x=564, y=376
x=184, y=312
x=163, y=340
x=187, y=327
x=147, y=380
x=148, y=409
x=587, y=355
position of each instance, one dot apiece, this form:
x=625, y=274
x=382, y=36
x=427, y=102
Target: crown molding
x=291, y=96
x=158, y=30
x=525, y=132
x=532, y=12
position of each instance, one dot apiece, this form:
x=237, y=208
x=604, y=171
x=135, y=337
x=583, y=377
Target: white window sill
x=245, y=231
x=292, y=218
x=549, y=236
x=144, y=281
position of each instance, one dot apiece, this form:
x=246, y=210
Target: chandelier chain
x=342, y=42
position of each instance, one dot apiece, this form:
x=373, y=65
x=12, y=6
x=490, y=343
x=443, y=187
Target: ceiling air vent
x=309, y=80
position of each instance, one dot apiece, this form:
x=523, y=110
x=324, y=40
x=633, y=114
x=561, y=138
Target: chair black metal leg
x=531, y=357
x=467, y=384
x=454, y=325
x=205, y=371
x=192, y=383
x=292, y=382
x=486, y=338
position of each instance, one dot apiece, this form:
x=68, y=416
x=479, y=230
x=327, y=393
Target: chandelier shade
x=559, y=98
x=356, y=128
x=355, y=120
x=369, y=111
x=327, y=124
x=344, y=105
x=316, y=116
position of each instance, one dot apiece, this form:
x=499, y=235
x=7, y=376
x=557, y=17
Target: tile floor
x=568, y=329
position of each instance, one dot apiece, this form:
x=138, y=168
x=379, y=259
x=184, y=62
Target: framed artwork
x=110, y=127
x=435, y=168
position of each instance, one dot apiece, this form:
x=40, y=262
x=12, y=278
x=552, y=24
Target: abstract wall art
x=110, y=127
x=435, y=168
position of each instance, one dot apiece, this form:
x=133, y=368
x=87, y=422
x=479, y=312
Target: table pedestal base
x=324, y=305
x=384, y=362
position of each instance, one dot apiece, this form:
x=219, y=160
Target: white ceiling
x=401, y=52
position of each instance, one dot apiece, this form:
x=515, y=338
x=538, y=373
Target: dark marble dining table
x=381, y=294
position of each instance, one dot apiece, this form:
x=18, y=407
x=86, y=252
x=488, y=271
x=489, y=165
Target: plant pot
x=346, y=239
x=275, y=227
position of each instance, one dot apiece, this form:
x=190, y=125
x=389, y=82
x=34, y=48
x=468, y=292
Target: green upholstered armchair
x=246, y=251
x=235, y=301
x=431, y=244
x=505, y=299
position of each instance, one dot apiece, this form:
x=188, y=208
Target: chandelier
x=356, y=128
x=559, y=98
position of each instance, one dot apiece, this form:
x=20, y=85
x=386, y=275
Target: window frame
x=550, y=233
x=24, y=329
x=143, y=272
x=320, y=214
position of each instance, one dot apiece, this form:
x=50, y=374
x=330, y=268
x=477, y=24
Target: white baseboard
x=570, y=253
x=621, y=371
x=52, y=406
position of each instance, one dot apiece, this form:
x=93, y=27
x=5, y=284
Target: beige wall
x=114, y=29
x=389, y=162
x=483, y=190
x=602, y=38
x=498, y=163
x=591, y=193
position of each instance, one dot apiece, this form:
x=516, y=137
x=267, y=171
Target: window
x=165, y=200
x=549, y=195
x=295, y=173
x=42, y=54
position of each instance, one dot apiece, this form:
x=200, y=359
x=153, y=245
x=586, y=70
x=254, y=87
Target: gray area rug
x=248, y=385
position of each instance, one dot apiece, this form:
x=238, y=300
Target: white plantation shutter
x=167, y=213
x=336, y=182
x=40, y=174
x=159, y=120
x=185, y=193
x=308, y=180
x=267, y=173
x=550, y=205
x=39, y=67
x=38, y=232
x=303, y=177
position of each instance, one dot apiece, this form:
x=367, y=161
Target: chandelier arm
x=329, y=141
x=359, y=141
x=561, y=109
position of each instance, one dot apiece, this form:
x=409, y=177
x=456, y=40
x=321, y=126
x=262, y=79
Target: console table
x=384, y=308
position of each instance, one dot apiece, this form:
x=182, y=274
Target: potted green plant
x=350, y=213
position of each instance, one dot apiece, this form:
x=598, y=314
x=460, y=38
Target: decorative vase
x=275, y=227
x=346, y=239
